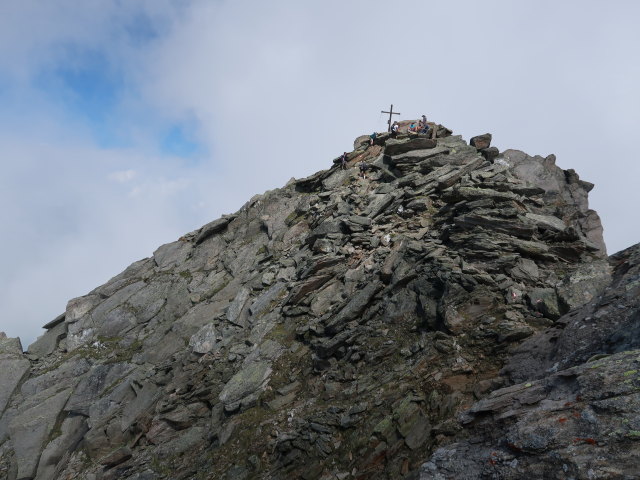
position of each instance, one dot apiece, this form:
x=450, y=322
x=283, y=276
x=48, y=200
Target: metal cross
x=390, y=112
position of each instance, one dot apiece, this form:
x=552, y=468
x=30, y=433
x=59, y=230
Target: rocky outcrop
x=573, y=411
x=334, y=328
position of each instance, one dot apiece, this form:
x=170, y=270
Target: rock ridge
x=338, y=327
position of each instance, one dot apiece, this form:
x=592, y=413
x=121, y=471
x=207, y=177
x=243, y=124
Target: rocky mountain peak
x=338, y=327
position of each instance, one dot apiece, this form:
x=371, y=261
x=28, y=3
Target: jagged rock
x=212, y=228
x=355, y=306
x=13, y=368
x=525, y=269
x=584, y=285
x=32, y=425
x=338, y=327
x=116, y=457
x=481, y=141
x=71, y=432
x=204, y=340
x=172, y=254
x=146, y=394
x=48, y=342
x=547, y=222
x=517, y=228
x=545, y=301
x=546, y=426
x=93, y=384
x=447, y=180
x=399, y=146
x=55, y=322
x=236, y=308
x=490, y=153
x=244, y=385
x=431, y=157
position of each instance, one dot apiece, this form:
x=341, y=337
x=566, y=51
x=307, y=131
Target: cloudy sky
x=124, y=124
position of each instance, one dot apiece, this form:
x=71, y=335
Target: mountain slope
x=334, y=328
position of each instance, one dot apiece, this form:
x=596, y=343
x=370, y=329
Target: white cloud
x=122, y=176
x=275, y=90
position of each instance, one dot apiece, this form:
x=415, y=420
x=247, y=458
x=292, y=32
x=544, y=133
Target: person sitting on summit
x=372, y=138
x=394, y=129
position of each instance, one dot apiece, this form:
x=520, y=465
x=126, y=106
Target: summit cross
x=390, y=112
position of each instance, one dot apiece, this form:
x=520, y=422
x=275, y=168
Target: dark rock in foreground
x=575, y=411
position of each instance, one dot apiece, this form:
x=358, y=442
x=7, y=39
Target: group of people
x=422, y=127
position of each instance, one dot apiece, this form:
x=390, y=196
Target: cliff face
x=335, y=328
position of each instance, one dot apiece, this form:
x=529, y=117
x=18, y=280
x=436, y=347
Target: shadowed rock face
x=338, y=327
x=574, y=411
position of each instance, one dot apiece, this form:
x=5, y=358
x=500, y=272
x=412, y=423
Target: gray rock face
x=32, y=425
x=204, y=340
x=71, y=432
x=343, y=327
x=559, y=187
x=13, y=368
x=244, y=385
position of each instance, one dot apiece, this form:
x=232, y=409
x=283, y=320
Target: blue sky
x=126, y=124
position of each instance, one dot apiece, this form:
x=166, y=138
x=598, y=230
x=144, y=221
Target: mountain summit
x=451, y=315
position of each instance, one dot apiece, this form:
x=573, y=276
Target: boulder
x=545, y=301
x=547, y=222
x=213, y=228
x=490, y=153
x=235, y=312
x=204, y=340
x=525, y=270
x=481, y=141
x=245, y=385
x=400, y=146
x=47, y=343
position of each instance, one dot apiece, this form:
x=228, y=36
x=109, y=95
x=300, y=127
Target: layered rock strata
x=334, y=328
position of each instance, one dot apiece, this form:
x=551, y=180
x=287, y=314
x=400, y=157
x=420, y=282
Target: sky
x=125, y=124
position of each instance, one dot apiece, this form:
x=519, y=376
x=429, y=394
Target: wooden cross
x=390, y=112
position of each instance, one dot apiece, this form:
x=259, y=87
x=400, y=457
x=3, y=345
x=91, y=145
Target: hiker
x=372, y=138
x=343, y=161
x=363, y=169
x=412, y=128
x=394, y=129
x=425, y=126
